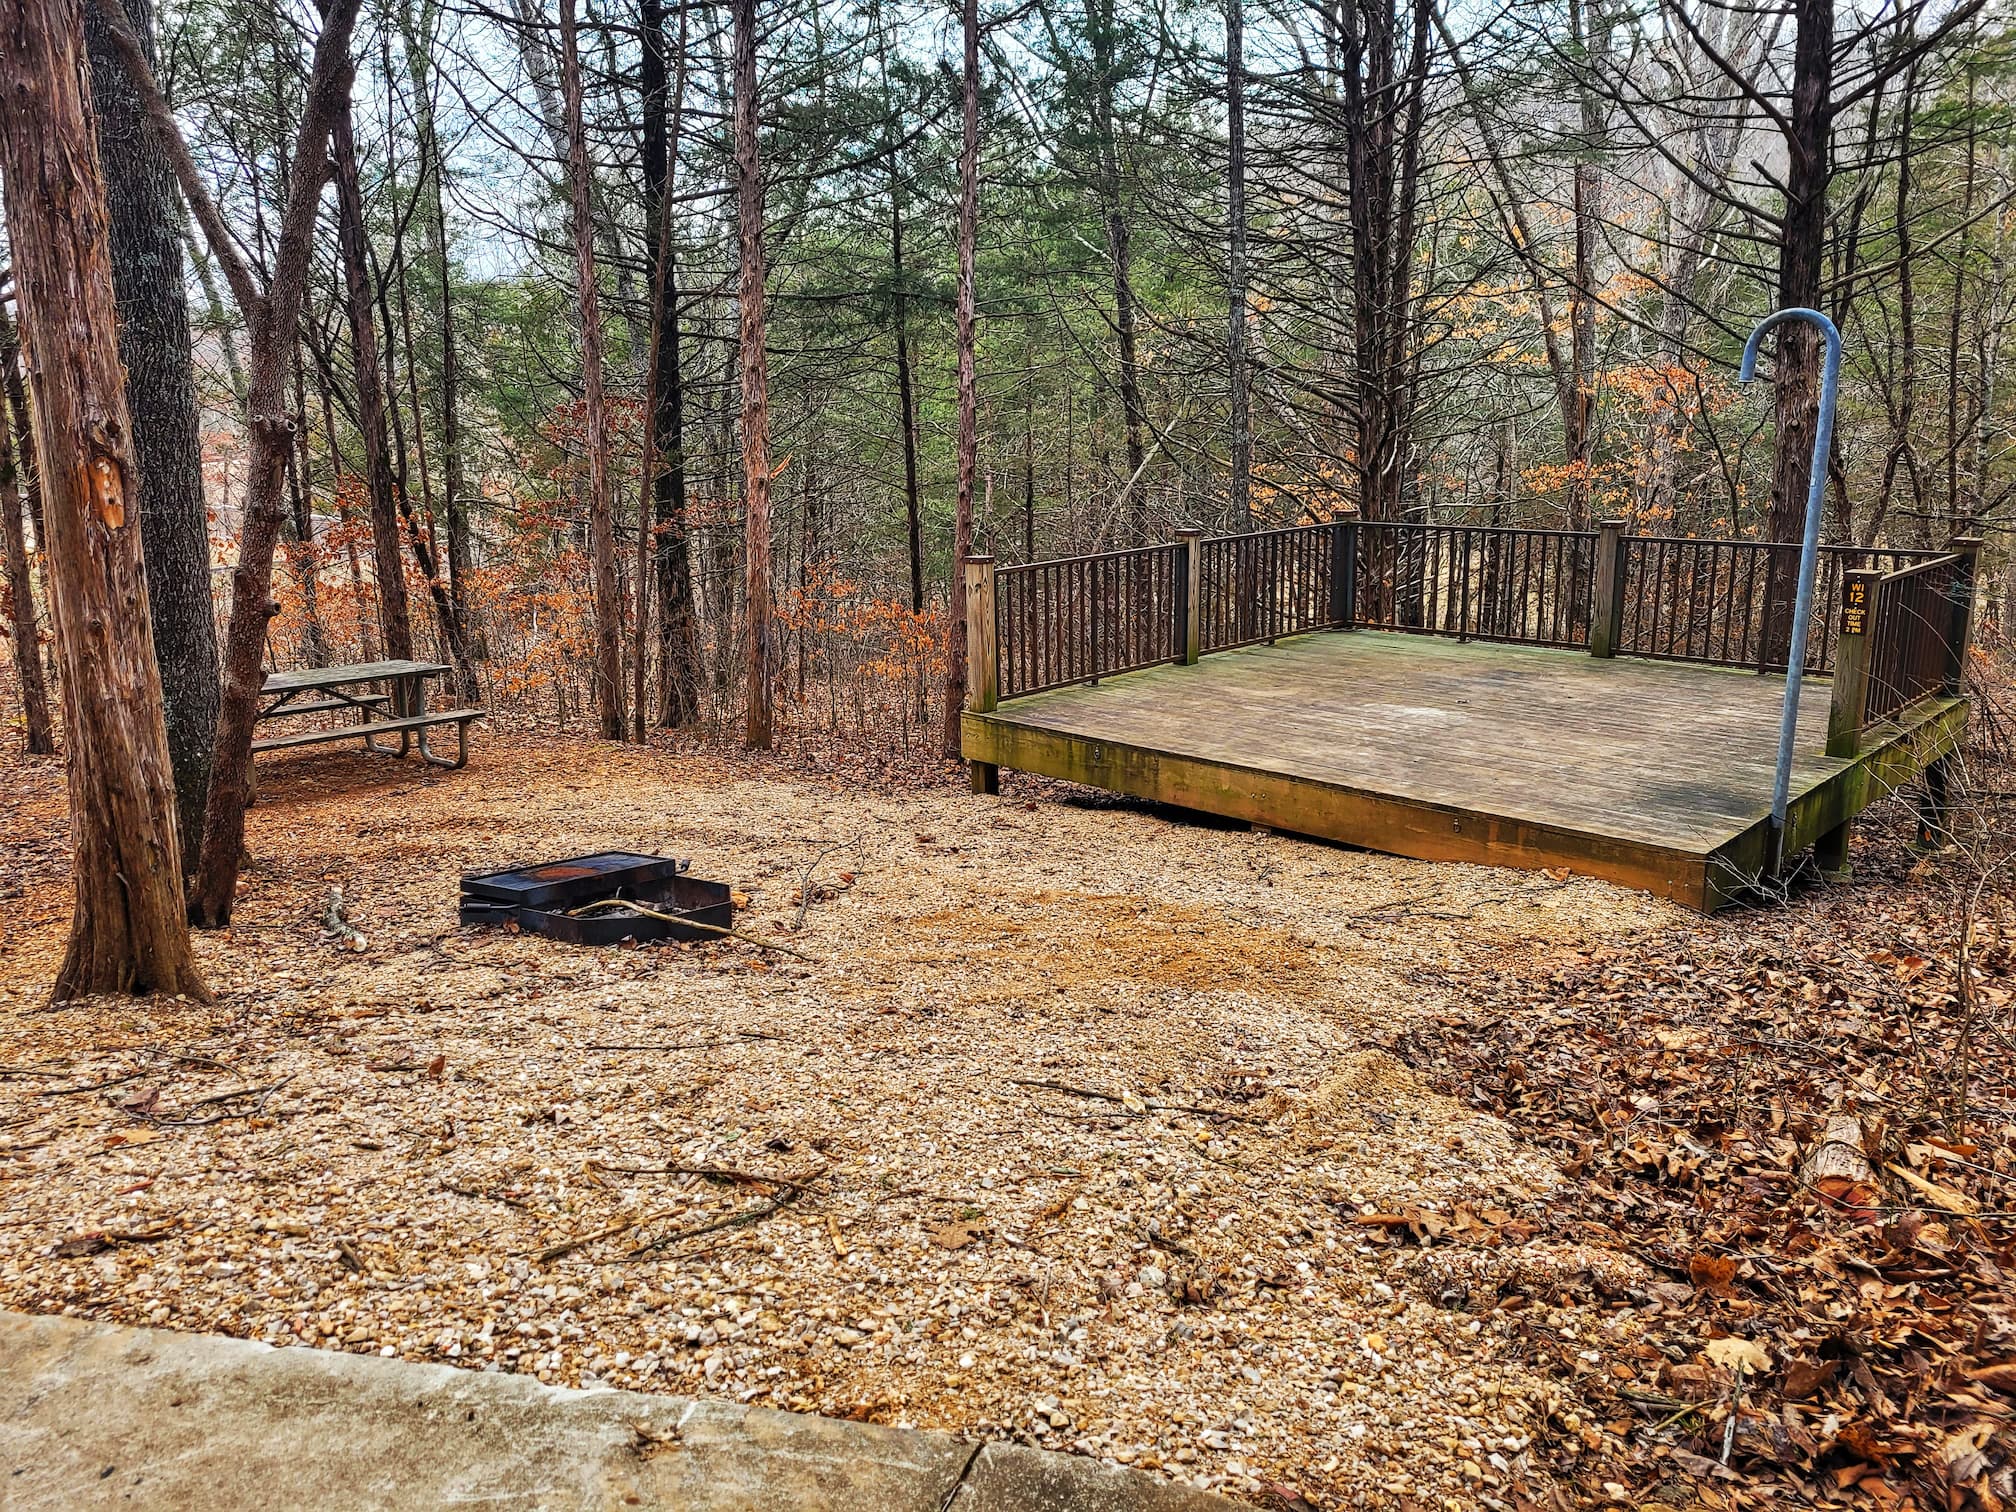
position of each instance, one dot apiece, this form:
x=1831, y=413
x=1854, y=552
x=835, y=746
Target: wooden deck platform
x=1653, y=774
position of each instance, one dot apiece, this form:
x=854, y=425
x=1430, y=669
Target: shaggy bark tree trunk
x=1381, y=115
x=129, y=932
x=601, y=528
x=758, y=733
x=147, y=281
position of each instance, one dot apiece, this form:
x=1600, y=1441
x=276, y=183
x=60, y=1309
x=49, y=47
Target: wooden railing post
x=1189, y=593
x=983, y=659
x=1852, y=643
x=1849, y=704
x=1968, y=549
x=1606, y=609
x=983, y=646
x=1344, y=570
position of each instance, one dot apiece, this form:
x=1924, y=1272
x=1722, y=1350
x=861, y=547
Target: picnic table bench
x=328, y=690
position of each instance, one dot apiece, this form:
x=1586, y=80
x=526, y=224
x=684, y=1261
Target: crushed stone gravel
x=1078, y=1111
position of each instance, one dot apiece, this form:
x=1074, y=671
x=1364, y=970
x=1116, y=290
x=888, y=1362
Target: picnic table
x=389, y=697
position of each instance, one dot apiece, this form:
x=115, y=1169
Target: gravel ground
x=1081, y=1111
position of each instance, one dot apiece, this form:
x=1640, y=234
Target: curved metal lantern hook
x=1809, y=549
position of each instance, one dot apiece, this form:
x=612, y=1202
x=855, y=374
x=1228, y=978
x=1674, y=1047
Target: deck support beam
x=1935, y=806
x=1830, y=851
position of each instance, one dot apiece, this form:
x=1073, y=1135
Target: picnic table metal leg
x=461, y=748
x=403, y=689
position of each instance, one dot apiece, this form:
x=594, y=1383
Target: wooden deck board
x=1631, y=766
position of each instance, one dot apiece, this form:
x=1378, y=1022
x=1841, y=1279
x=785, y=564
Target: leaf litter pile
x=1319, y=1178
x=1803, y=1125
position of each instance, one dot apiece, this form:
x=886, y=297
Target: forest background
x=1233, y=266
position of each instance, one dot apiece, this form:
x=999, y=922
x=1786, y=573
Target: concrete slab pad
x=94, y=1415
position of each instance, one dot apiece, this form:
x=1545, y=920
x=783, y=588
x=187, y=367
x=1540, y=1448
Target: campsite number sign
x=1854, y=607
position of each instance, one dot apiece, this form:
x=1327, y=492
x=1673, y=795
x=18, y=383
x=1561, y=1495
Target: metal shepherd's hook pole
x=1809, y=549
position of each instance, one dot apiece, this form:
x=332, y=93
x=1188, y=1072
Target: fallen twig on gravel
x=569, y=1246
x=712, y=1044
x=471, y=1192
x=263, y=1093
x=1148, y=1105
x=116, y=1081
x=782, y=1200
x=652, y=913
x=805, y=883
x=711, y=1173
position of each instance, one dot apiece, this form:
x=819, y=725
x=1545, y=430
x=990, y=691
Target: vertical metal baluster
x=1662, y=635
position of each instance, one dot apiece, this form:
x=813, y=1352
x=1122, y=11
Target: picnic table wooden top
x=305, y=678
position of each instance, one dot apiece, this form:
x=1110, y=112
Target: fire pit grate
x=543, y=899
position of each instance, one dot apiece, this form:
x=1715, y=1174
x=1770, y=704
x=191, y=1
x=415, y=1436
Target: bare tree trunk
x=219, y=321
x=1241, y=423
x=30, y=473
x=1691, y=210
x=1959, y=519
x=1801, y=250
x=1382, y=113
x=759, y=733
x=1119, y=250
x=549, y=94
x=146, y=222
x=601, y=528
x=359, y=594
x=969, y=393
x=1591, y=33
x=21, y=595
x=678, y=643
x=129, y=932
x=307, y=552
x=418, y=37
x=1029, y=452
x=899, y=289
x=906, y=399
x=394, y=612
x=271, y=315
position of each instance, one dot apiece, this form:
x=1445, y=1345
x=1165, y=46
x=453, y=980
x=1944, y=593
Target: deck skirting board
x=1386, y=822
x=1402, y=825
x=1897, y=755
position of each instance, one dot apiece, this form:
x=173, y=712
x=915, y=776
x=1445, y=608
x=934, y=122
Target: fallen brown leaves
x=1812, y=1336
